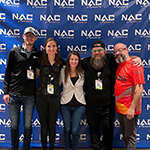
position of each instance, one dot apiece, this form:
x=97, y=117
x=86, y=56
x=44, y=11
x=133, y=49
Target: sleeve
x=8, y=72
x=138, y=75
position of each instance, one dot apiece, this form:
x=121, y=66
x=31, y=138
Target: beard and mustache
x=98, y=63
x=120, y=59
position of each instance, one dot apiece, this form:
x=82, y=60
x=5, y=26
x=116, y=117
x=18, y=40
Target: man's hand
x=130, y=114
x=6, y=99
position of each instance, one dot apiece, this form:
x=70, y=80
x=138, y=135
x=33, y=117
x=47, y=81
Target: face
x=51, y=47
x=120, y=53
x=98, y=52
x=73, y=61
x=29, y=39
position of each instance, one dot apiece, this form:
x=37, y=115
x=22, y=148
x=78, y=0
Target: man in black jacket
x=100, y=71
x=20, y=85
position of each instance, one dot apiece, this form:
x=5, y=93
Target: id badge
x=30, y=74
x=50, y=88
x=98, y=84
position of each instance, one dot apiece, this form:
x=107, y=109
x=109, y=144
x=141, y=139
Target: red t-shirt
x=127, y=76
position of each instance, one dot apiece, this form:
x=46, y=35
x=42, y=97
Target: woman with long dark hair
x=72, y=99
x=48, y=95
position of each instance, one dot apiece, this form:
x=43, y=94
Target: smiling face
x=73, y=61
x=51, y=47
x=98, y=52
x=120, y=52
x=29, y=39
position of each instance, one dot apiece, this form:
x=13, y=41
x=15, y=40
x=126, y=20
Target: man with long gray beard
x=100, y=71
x=128, y=94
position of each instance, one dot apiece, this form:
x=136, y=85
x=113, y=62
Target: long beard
x=98, y=63
x=120, y=59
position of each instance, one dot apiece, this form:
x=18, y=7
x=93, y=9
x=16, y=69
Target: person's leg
x=54, y=106
x=66, y=116
x=77, y=114
x=14, y=111
x=130, y=132
x=28, y=107
x=106, y=127
x=122, y=125
x=94, y=125
x=42, y=109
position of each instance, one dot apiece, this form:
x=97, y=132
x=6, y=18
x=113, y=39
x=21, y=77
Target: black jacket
x=95, y=97
x=15, y=81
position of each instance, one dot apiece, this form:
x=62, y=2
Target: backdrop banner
x=75, y=24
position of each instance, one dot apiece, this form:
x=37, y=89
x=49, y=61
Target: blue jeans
x=15, y=103
x=71, y=117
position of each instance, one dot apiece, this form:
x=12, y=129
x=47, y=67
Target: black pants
x=48, y=108
x=101, y=117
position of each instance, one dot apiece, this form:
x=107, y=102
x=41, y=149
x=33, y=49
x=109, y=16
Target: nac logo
x=118, y=34
x=2, y=106
x=82, y=48
x=2, y=137
x=105, y=18
x=144, y=123
x=91, y=3
x=142, y=33
x=37, y=3
x=119, y=3
x=134, y=48
x=50, y=18
x=146, y=93
x=5, y=123
x=2, y=17
x=22, y=17
x=2, y=77
x=41, y=33
x=14, y=33
x=11, y=3
x=146, y=63
x=64, y=3
x=2, y=47
x=143, y=3
x=131, y=18
x=77, y=18
x=91, y=34
x=109, y=48
x=69, y=34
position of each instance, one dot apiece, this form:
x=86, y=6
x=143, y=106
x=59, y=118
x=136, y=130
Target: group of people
x=93, y=84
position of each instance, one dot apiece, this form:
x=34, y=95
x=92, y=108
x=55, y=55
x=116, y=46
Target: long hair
x=78, y=68
x=44, y=59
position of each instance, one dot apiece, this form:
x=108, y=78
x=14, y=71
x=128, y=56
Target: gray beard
x=121, y=59
x=98, y=63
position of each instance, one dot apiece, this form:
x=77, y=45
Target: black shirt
x=95, y=97
x=48, y=74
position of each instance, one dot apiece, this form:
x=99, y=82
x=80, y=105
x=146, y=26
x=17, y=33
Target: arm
x=136, y=60
x=136, y=98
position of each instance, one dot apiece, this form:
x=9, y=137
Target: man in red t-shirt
x=128, y=93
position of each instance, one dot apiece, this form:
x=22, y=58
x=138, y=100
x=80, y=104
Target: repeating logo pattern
x=75, y=24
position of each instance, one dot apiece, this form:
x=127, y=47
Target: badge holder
x=50, y=86
x=30, y=74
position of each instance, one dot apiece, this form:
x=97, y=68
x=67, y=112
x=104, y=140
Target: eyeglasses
x=119, y=50
x=98, y=50
x=30, y=35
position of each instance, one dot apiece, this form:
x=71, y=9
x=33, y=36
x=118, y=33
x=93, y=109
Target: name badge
x=30, y=74
x=50, y=88
x=98, y=84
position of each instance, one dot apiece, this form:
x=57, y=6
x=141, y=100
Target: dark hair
x=44, y=59
x=79, y=66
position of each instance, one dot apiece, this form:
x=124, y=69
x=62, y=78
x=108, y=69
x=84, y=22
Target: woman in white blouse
x=72, y=99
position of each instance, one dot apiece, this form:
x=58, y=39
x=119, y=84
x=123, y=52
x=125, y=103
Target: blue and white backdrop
x=76, y=24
